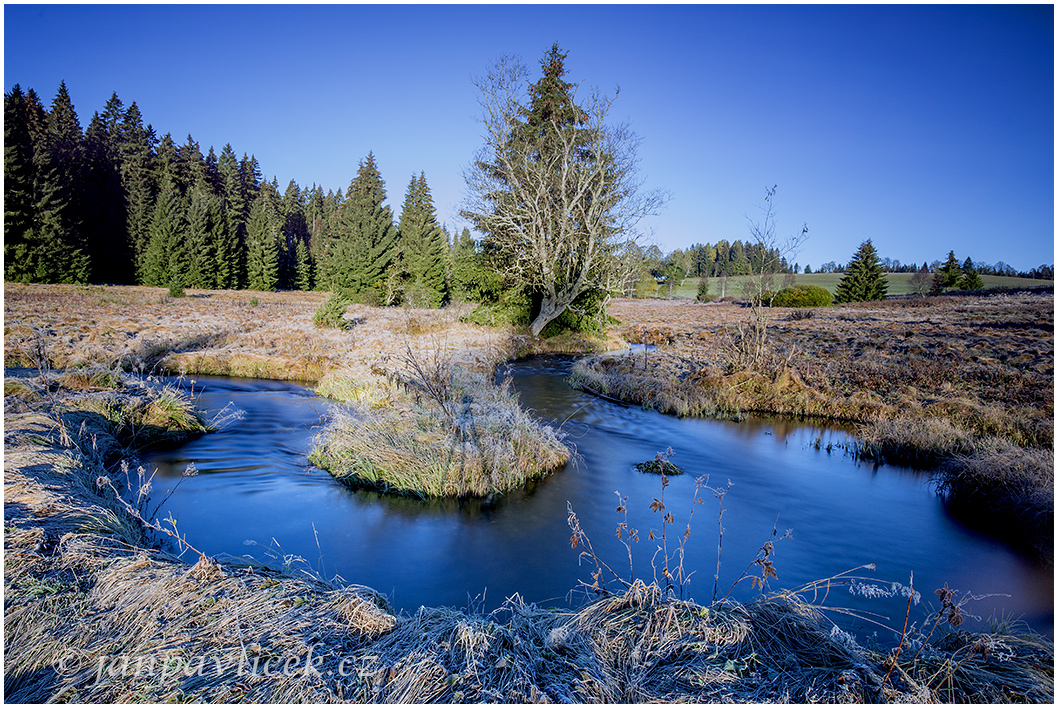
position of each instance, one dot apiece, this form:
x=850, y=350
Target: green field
x=899, y=284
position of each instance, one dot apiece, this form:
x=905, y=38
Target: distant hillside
x=899, y=283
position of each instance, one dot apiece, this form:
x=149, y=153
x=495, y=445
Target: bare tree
x=774, y=253
x=558, y=200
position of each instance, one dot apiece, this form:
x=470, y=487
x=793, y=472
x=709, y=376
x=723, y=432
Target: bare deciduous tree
x=775, y=253
x=559, y=201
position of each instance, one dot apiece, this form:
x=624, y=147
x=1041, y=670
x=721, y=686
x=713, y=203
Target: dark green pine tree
x=137, y=170
x=51, y=249
x=423, y=247
x=947, y=276
x=471, y=278
x=864, y=279
x=250, y=174
x=212, y=174
x=167, y=165
x=104, y=211
x=190, y=165
x=551, y=101
x=304, y=277
x=363, y=239
x=18, y=185
x=315, y=212
x=294, y=231
x=236, y=211
x=262, y=245
x=222, y=242
x=200, y=268
x=63, y=175
x=163, y=258
x=970, y=279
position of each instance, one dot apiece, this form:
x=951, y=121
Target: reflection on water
x=255, y=484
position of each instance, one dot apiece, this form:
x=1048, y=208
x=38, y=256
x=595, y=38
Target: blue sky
x=922, y=128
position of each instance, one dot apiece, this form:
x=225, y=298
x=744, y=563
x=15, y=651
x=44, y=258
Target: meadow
x=104, y=602
x=899, y=284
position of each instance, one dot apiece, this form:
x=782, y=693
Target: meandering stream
x=255, y=494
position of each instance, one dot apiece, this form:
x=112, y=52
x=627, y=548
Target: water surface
x=256, y=494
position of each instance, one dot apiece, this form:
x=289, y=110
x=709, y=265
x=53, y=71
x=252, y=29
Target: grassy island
x=425, y=427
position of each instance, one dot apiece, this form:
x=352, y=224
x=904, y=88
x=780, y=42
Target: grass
x=95, y=612
x=928, y=382
x=899, y=284
x=425, y=427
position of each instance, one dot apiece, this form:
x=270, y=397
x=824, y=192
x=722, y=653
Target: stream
x=255, y=494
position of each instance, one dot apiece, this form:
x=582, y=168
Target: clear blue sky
x=922, y=128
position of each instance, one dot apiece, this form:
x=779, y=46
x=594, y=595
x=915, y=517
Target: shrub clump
x=803, y=296
x=332, y=312
x=176, y=286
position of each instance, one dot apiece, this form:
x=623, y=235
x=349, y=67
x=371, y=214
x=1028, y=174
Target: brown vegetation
x=488, y=446
x=97, y=611
x=958, y=381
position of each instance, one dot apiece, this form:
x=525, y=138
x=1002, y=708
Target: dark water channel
x=256, y=495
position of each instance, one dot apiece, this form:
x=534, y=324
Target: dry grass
x=398, y=444
x=96, y=612
x=424, y=426
x=928, y=380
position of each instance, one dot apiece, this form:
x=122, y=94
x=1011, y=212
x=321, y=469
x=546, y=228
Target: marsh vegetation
x=86, y=581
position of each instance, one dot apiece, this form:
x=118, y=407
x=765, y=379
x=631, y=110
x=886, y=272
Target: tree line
x=553, y=190
x=115, y=204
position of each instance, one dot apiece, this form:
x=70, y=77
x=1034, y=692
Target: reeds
x=426, y=427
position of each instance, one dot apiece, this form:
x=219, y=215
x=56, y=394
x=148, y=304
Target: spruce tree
x=162, y=258
x=304, y=270
x=137, y=170
x=423, y=247
x=167, y=165
x=18, y=185
x=947, y=275
x=236, y=212
x=61, y=198
x=191, y=165
x=863, y=279
x=970, y=279
x=295, y=231
x=262, y=245
x=200, y=268
x=362, y=253
x=472, y=279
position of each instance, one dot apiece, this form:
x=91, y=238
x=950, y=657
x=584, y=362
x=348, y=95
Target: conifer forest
x=114, y=203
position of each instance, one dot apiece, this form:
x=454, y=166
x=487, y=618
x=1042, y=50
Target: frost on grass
x=422, y=425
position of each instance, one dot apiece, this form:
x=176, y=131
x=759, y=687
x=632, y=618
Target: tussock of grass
x=90, y=378
x=1013, y=489
x=446, y=432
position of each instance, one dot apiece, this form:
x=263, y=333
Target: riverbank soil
x=99, y=607
x=961, y=384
